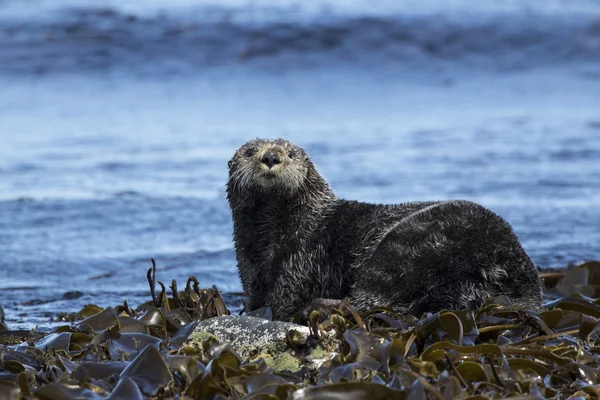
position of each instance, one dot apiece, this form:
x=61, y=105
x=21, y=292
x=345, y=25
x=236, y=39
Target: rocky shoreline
x=189, y=346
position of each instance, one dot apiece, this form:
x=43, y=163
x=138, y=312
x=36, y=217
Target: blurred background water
x=117, y=119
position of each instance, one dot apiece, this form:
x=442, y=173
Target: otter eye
x=292, y=154
x=250, y=152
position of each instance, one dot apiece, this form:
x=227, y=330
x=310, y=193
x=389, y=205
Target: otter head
x=268, y=166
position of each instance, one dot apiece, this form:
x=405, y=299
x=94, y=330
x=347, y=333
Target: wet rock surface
x=248, y=334
x=256, y=339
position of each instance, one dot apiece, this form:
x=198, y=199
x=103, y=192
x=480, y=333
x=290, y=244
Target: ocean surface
x=117, y=119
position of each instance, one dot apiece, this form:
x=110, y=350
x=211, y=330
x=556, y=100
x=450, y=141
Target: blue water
x=116, y=124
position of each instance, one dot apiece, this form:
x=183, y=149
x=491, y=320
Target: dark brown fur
x=296, y=241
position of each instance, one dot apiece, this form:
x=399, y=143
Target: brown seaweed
x=497, y=351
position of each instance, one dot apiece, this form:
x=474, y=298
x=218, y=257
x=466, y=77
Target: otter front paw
x=324, y=306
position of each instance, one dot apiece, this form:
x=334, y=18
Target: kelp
x=497, y=351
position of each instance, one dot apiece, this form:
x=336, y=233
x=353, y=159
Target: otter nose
x=271, y=158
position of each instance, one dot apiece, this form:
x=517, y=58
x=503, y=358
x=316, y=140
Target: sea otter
x=296, y=242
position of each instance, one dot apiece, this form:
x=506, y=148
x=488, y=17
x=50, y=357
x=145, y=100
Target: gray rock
x=248, y=335
x=253, y=338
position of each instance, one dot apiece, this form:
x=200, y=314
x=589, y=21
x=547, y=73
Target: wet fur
x=296, y=241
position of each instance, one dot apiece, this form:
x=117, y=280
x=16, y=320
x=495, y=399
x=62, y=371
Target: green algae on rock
x=248, y=335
